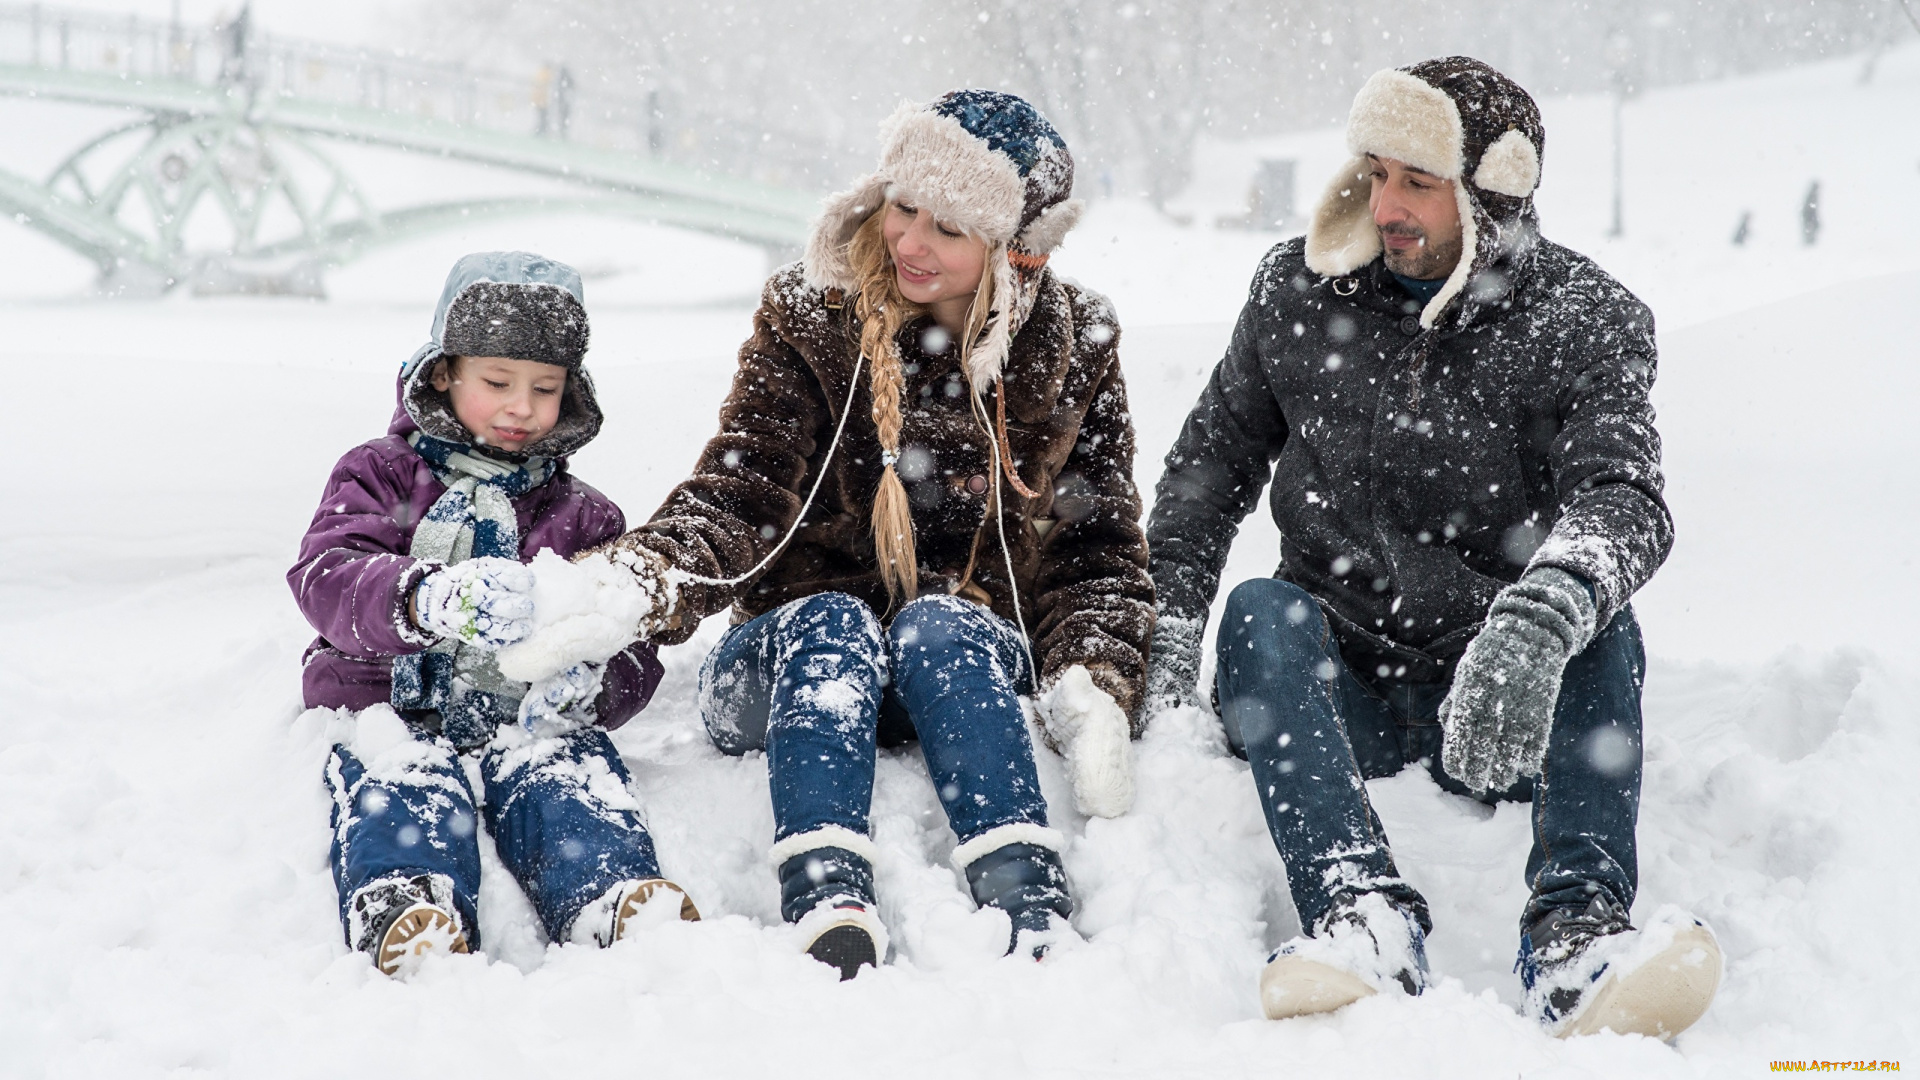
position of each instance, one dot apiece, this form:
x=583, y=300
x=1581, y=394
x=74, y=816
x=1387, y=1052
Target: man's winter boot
x=617, y=913
x=1589, y=970
x=1017, y=869
x=826, y=891
x=401, y=921
x=1365, y=944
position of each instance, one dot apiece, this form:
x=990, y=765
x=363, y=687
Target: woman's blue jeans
x=1313, y=732
x=819, y=683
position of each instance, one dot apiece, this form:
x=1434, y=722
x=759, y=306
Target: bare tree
x=788, y=91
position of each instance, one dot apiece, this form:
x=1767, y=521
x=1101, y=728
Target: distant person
x=1453, y=415
x=920, y=507
x=411, y=572
x=1810, y=215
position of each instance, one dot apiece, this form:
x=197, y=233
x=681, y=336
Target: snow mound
x=585, y=610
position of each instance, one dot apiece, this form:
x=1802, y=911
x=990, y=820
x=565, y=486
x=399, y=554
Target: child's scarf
x=475, y=518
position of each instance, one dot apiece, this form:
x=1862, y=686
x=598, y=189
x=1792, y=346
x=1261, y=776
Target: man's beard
x=1424, y=263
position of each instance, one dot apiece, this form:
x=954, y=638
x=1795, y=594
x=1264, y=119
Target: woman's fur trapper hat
x=981, y=161
x=1460, y=120
x=519, y=306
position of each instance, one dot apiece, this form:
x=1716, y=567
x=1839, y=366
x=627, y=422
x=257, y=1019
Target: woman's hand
x=1093, y=735
x=589, y=610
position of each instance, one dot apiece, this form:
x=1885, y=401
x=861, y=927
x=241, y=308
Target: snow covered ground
x=164, y=898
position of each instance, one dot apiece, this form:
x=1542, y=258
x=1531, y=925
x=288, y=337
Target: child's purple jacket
x=354, y=574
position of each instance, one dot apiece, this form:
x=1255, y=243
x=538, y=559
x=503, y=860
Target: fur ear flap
x=1051, y=226
x=1511, y=166
x=1341, y=237
x=1462, y=270
x=827, y=262
x=989, y=357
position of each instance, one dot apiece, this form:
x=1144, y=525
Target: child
x=412, y=573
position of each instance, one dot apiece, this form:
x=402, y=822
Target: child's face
x=505, y=403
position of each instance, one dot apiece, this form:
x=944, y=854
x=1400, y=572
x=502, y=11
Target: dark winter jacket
x=354, y=575
x=1417, y=473
x=1079, y=557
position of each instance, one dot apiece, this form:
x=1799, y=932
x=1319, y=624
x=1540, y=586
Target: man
x=1453, y=412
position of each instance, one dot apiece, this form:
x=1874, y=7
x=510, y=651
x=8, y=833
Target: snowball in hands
x=562, y=701
x=1093, y=734
x=485, y=602
x=585, y=610
x=1500, y=711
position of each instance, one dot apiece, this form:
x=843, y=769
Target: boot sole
x=419, y=932
x=847, y=947
x=638, y=898
x=1662, y=997
x=1295, y=986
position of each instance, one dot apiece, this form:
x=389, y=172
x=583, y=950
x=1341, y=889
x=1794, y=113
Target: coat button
x=977, y=484
x=1410, y=325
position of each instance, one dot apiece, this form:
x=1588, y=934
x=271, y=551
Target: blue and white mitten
x=485, y=602
x=562, y=701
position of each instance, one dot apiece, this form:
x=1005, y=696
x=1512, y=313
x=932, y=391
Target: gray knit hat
x=516, y=305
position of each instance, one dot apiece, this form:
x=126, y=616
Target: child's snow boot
x=1589, y=970
x=1365, y=944
x=1016, y=868
x=826, y=890
x=616, y=914
x=401, y=921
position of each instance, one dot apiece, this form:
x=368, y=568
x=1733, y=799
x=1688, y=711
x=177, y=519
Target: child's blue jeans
x=556, y=807
x=819, y=683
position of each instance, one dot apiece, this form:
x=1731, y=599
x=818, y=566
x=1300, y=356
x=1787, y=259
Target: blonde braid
x=882, y=312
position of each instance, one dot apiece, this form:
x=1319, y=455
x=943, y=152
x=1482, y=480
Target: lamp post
x=1619, y=57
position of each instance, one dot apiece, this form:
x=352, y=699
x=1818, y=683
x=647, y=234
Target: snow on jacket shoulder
x=354, y=575
x=1416, y=473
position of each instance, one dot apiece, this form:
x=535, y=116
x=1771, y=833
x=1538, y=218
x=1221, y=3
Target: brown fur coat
x=1078, y=550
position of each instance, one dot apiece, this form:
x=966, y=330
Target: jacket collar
x=1038, y=357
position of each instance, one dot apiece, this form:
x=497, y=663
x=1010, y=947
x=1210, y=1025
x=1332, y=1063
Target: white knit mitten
x=1093, y=735
x=589, y=610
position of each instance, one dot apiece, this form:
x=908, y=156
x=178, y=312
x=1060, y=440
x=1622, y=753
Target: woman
x=921, y=489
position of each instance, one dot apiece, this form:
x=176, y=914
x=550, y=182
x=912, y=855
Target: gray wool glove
x=1173, y=663
x=1500, y=711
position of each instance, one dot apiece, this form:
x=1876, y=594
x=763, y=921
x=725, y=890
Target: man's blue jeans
x=1313, y=731
x=818, y=683
x=556, y=807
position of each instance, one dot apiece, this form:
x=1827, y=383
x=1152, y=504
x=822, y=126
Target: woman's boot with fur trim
x=1017, y=869
x=826, y=891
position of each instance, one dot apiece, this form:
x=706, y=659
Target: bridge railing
x=551, y=101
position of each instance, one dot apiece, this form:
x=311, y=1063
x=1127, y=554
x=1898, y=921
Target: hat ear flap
x=1511, y=166
x=828, y=264
x=1051, y=226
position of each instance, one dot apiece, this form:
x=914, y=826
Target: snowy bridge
x=223, y=177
